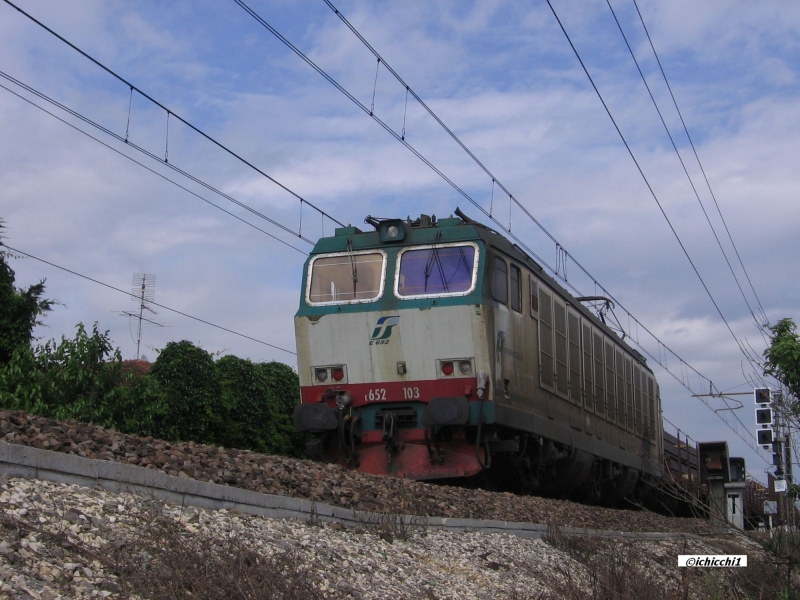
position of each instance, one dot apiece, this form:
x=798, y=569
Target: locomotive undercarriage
x=510, y=460
x=530, y=464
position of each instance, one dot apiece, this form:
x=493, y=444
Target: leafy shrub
x=76, y=379
x=187, y=376
x=284, y=386
x=252, y=416
x=232, y=402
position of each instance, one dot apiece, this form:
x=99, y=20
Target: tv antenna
x=143, y=291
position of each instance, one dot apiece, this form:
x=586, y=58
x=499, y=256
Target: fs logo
x=383, y=330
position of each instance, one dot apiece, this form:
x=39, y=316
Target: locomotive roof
x=429, y=230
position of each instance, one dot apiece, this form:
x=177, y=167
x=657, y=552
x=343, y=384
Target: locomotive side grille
x=403, y=417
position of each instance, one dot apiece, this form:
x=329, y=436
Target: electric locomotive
x=438, y=349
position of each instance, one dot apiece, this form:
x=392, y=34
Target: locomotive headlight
x=392, y=231
x=465, y=367
x=321, y=375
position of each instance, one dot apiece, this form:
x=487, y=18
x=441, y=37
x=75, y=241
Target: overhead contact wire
x=683, y=165
x=655, y=197
x=647, y=183
x=151, y=155
x=700, y=164
x=169, y=111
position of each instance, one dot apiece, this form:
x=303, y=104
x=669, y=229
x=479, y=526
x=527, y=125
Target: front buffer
x=413, y=429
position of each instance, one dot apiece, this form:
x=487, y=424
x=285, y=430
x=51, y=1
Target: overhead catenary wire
x=649, y=186
x=172, y=113
x=750, y=359
x=699, y=163
x=128, y=293
x=759, y=325
x=186, y=174
x=161, y=175
x=427, y=162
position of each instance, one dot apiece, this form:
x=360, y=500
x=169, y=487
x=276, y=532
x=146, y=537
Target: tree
x=782, y=360
x=19, y=309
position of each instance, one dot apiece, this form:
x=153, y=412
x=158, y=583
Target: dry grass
x=166, y=561
x=390, y=526
x=609, y=569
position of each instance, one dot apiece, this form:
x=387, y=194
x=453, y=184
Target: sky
x=501, y=75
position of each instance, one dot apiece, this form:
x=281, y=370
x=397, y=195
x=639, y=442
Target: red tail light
x=447, y=368
x=338, y=374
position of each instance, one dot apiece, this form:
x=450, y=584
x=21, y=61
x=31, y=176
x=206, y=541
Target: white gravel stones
x=344, y=563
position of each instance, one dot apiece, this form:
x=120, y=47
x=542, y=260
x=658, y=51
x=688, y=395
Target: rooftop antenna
x=143, y=291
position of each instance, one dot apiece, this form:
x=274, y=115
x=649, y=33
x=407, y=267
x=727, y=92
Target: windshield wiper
x=435, y=259
x=353, y=267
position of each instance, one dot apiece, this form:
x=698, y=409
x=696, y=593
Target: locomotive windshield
x=346, y=277
x=437, y=271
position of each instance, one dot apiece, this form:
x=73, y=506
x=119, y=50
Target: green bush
x=284, y=385
x=141, y=408
x=186, y=396
x=76, y=379
x=187, y=376
x=252, y=414
x=232, y=402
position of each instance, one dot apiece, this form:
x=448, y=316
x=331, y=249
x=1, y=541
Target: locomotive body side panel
x=564, y=375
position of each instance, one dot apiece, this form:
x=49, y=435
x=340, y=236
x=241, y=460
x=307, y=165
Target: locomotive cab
x=389, y=336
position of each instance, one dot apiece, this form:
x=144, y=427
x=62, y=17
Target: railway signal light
x=762, y=395
x=764, y=416
x=765, y=437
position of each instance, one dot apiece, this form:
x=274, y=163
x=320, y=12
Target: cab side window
x=516, y=290
x=500, y=280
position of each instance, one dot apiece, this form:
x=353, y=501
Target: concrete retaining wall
x=32, y=463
